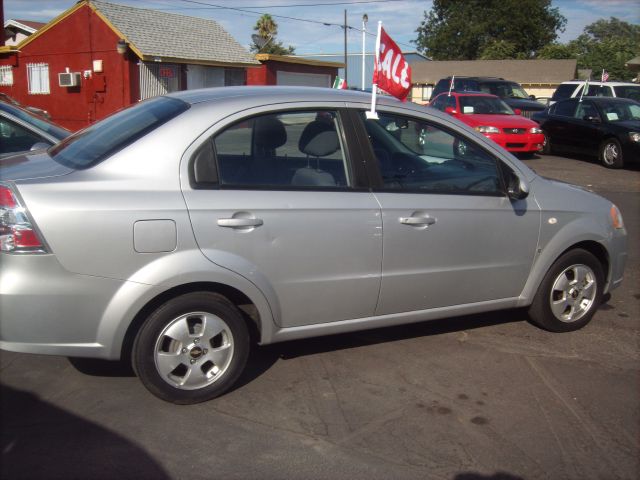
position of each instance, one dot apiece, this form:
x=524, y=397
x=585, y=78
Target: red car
x=493, y=118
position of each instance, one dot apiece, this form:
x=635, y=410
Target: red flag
x=392, y=73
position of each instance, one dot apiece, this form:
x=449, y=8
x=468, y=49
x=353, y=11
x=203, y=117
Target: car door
x=557, y=127
x=451, y=235
x=585, y=128
x=276, y=197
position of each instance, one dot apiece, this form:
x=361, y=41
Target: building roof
x=540, y=72
x=27, y=26
x=152, y=34
x=166, y=37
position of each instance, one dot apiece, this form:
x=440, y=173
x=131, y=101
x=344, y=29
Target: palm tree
x=266, y=28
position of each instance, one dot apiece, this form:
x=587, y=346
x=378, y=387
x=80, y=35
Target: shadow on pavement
x=39, y=440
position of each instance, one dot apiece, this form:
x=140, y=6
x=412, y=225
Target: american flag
x=605, y=75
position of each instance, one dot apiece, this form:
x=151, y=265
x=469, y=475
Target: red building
x=292, y=70
x=98, y=57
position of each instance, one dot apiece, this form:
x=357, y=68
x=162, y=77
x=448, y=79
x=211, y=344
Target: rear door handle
x=240, y=222
x=418, y=221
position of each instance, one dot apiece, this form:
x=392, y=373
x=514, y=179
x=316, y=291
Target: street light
x=365, y=19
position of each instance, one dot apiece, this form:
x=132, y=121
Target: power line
x=356, y=2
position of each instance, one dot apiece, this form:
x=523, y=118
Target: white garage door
x=304, y=79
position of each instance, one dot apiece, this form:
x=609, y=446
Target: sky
x=301, y=23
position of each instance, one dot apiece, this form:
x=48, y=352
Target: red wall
x=74, y=43
x=267, y=74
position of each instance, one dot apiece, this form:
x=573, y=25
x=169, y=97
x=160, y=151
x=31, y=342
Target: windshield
x=619, y=111
x=484, y=105
x=97, y=142
x=41, y=123
x=628, y=91
x=504, y=89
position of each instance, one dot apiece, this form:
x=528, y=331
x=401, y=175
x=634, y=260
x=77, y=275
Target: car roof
x=614, y=84
x=470, y=94
x=601, y=99
x=479, y=78
x=292, y=94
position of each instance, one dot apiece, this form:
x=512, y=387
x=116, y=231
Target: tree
x=470, y=29
x=603, y=45
x=266, y=29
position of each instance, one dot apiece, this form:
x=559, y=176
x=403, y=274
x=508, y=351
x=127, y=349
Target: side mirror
x=450, y=110
x=517, y=188
x=517, y=111
x=532, y=97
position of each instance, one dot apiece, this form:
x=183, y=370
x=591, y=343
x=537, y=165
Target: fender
x=161, y=275
x=555, y=241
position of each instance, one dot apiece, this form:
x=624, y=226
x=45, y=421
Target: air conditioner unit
x=69, y=79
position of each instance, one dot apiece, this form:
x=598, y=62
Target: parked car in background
x=603, y=126
x=179, y=230
x=574, y=89
x=511, y=92
x=21, y=130
x=493, y=118
x=38, y=111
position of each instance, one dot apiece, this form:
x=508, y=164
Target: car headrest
x=269, y=133
x=319, y=139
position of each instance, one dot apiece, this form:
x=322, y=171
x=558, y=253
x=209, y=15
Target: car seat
x=318, y=139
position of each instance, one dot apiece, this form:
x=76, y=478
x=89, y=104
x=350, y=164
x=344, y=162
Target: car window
x=600, y=91
x=439, y=102
x=586, y=109
x=417, y=156
x=564, y=108
x=16, y=138
x=484, y=105
x=619, y=111
x=300, y=149
x=628, y=91
x=94, y=144
x=563, y=91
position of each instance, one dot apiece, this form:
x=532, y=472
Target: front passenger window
x=417, y=156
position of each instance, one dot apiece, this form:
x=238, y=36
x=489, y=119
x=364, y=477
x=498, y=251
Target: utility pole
x=346, y=76
x=365, y=19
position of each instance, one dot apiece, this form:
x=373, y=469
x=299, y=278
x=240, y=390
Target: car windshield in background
x=628, y=91
x=90, y=146
x=619, y=112
x=41, y=123
x=503, y=89
x=484, y=105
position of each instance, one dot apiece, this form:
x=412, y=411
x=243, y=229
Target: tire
x=192, y=348
x=611, y=153
x=546, y=146
x=569, y=294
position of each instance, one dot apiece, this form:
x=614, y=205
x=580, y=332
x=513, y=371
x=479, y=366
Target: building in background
x=354, y=65
x=15, y=31
x=98, y=57
x=293, y=70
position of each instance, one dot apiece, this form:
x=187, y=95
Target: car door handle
x=240, y=222
x=417, y=221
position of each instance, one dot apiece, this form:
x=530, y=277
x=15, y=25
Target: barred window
x=6, y=75
x=38, y=78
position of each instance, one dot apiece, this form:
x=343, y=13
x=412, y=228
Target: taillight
x=17, y=233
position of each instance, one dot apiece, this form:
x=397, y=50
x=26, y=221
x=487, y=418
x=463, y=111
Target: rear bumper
x=49, y=310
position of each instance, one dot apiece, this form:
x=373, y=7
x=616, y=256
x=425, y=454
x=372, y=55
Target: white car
x=596, y=89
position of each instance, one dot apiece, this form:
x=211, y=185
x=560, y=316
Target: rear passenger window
x=416, y=156
x=287, y=149
x=564, y=108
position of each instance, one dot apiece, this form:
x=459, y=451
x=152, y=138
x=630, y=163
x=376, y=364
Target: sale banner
x=391, y=73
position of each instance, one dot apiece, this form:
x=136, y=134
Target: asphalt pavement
x=467, y=398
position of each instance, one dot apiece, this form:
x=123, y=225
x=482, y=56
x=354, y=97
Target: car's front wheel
x=570, y=293
x=611, y=154
x=192, y=348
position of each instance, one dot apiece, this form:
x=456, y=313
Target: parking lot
x=479, y=397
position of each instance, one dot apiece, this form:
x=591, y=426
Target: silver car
x=177, y=232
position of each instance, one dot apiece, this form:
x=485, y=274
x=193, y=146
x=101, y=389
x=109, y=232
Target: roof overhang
x=268, y=57
x=195, y=61
x=9, y=49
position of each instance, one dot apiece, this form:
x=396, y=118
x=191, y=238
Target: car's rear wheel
x=192, y=348
x=611, y=153
x=570, y=293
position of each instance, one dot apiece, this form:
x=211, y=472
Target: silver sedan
x=178, y=232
